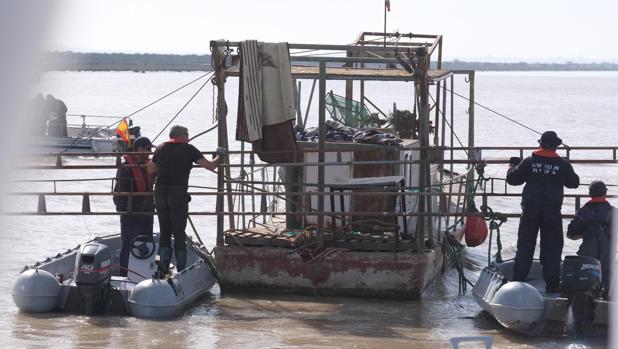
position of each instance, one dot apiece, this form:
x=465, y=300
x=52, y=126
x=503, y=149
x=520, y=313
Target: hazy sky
x=490, y=29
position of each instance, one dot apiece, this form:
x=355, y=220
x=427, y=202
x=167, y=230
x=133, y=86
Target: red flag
x=387, y=4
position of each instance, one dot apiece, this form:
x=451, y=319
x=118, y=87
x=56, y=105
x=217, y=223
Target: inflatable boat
x=525, y=307
x=86, y=280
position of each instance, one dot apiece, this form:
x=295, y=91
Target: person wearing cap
x=132, y=177
x=545, y=174
x=593, y=224
x=172, y=161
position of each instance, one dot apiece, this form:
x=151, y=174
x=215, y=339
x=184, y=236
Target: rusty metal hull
x=341, y=273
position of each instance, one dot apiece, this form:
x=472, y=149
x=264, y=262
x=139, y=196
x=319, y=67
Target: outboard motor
x=93, y=272
x=581, y=284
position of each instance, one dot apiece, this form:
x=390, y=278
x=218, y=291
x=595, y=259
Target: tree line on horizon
x=138, y=62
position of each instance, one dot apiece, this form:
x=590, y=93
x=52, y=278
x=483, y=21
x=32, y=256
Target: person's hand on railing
x=221, y=151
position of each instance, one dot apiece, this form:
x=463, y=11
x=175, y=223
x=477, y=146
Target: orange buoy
x=475, y=230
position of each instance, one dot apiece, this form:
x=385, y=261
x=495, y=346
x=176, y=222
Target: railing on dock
x=260, y=191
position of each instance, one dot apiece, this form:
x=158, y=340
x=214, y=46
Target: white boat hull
x=46, y=144
x=34, y=289
x=531, y=318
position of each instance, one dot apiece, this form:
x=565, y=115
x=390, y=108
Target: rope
x=78, y=140
x=493, y=111
x=203, y=133
x=450, y=127
x=454, y=250
x=495, y=221
x=132, y=271
x=183, y=108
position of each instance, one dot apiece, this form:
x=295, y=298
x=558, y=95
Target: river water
x=580, y=106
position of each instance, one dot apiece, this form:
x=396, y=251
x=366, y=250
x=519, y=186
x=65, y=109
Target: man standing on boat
x=545, y=174
x=133, y=178
x=172, y=162
x=593, y=223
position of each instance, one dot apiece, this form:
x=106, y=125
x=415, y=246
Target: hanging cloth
x=266, y=89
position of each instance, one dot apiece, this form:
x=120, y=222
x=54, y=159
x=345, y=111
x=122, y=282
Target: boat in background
x=82, y=138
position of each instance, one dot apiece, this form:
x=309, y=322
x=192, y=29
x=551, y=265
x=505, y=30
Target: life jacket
x=142, y=184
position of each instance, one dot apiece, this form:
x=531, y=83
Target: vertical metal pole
x=218, y=61
x=452, y=114
x=443, y=134
x=252, y=164
x=385, y=23
x=452, y=119
x=242, y=187
x=309, y=105
x=437, y=117
x=321, y=143
x=425, y=166
x=362, y=84
x=349, y=96
x=442, y=197
x=471, y=128
x=299, y=114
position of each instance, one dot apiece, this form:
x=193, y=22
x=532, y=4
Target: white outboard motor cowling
x=93, y=273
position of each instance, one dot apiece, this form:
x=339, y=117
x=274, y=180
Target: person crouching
x=593, y=224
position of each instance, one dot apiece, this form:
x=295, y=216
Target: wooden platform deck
x=278, y=236
x=349, y=73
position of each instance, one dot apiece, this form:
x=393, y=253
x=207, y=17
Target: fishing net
x=350, y=112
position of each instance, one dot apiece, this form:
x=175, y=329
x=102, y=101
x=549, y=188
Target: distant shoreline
x=77, y=61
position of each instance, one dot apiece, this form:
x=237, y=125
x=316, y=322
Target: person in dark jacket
x=57, y=126
x=39, y=115
x=545, y=174
x=172, y=161
x=593, y=223
x=131, y=178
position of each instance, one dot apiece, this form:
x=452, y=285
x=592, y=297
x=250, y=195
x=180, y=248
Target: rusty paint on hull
x=346, y=273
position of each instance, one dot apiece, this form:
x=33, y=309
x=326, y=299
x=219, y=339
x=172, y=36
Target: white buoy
x=154, y=298
x=36, y=291
x=518, y=306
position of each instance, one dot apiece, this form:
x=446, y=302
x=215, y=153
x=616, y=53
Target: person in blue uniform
x=131, y=178
x=593, y=224
x=172, y=161
x=545, y=174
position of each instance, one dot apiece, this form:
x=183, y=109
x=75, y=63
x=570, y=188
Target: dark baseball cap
x=143, y=142
x=549, y=139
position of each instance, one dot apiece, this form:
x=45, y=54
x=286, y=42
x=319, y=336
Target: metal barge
x=358, y=219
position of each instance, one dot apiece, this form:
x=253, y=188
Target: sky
x=527, y=30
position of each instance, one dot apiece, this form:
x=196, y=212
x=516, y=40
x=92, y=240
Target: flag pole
x=385, y=23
